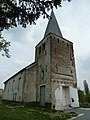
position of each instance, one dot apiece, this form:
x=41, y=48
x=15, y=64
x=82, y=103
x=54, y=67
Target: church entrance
x=42, y=95
x=62, y=97
x=65, y=96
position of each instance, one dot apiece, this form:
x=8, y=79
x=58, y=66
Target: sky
x=74, y=21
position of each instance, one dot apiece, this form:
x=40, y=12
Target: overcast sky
x=74, y=21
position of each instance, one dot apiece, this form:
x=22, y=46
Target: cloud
x=83, y=70
x=85, y=64
x=74, y=22
x=19, y=62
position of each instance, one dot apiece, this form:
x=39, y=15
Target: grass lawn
x=9, y=111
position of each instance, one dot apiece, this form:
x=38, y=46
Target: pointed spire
x=52, y=26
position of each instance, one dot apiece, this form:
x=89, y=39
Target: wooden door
x=42, y=95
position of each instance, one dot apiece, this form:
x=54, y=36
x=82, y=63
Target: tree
x=86, y=88
x=24, y=13
x=87, y=92
x=88, y=98
x=1, y=94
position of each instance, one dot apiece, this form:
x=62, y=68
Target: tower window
x=71, y=71
x=71, y=46
x=42, y=74
x=58, y=41
x=67, y=44
x=43, y=46
x=46, y=68
x=62, y=41
x=39, y=49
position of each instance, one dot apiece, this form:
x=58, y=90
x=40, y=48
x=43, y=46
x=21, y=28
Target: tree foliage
x=86, y=88
x=88, y=98
x=4, y=46
x=87, y=92
x=25, y=12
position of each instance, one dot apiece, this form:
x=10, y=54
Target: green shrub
x=85, y=105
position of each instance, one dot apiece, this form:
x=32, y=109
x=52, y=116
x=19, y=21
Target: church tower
x=55, y=72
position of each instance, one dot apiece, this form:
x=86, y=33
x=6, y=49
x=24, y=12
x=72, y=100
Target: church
x=51, y=78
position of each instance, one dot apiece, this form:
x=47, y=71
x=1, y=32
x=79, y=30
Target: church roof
x=53, y=26
x=27, y=67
